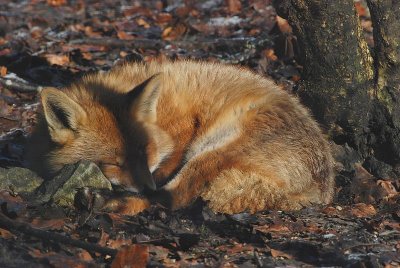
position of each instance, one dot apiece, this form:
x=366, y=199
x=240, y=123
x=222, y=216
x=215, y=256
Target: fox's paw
x=126, y=205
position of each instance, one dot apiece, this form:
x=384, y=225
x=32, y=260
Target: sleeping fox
x=175, y=131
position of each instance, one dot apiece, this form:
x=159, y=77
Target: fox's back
x=208, y=106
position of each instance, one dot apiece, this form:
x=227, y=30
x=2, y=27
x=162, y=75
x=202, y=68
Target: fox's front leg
x=130, y=205
x=182, y=190
x=189, y=183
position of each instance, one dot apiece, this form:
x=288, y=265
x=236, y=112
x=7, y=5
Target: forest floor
x=53, y=42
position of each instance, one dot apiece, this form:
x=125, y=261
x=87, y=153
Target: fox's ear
x=63, y=115
x=143, y=98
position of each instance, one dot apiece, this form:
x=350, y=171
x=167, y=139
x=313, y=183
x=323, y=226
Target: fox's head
x=91, y=122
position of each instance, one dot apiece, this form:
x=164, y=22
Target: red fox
x=180, y=130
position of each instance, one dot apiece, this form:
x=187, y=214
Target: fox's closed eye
x=109, y=165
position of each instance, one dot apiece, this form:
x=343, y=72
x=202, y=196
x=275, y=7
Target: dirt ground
x=53, y=42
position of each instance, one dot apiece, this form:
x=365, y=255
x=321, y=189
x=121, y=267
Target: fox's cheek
x=118, y=176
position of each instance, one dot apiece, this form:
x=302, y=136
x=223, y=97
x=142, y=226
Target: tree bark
x=385, y=16
x=352, y=94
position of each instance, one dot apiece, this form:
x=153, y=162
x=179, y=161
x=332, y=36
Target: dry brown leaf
x=364, y=187
x=330, y=210
x=270, y=54
x=3, y=71
x=172, y=33
x=52, y=224
x=277, y=253
x=166, y=32
x=118, y=243
x=234, y=6
x=6, y=234
x=85, y=255
x=143, y=23
x=182, y=11
x=295, y=78
x=125, y=36
x=362, y=210
x=57, y=59
x=87, y=55
x=84, y=48
x=283, y=25
x=361, y=10
x=388, y=187
x=134, y=256
x=90, y=33
x=137, y=10
x=164, y=17
x=272, y=228
x=56, y=3
x=236, y=248
x=159, y=253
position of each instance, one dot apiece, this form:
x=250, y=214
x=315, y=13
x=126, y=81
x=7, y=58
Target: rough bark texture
x=353, y=96
x=385, y=15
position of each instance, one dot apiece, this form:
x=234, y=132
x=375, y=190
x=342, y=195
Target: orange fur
x=195, y=129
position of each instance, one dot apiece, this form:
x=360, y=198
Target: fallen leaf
x=57, y=59
x=388, y=187
x=361, y=10
x=163, y=17
x=295, y=78
x=90, y=33
x=234, y=6
x=3, y=71
x=56, y=3
x=172, y=33
x=134, y=256
x=362, y=210
x=270, y=54
x=118, y=243
x=85, y=255
x=363, y=186
x=158, y=253
x=6, y=234
x=125, y=36
x=236, y=248
x=143, y=23
x=283, y=25
x=52, y=224
x=277, y=253
x=272, y=228
x=87, y=55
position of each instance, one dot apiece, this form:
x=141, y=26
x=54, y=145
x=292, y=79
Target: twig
x=113, y=42
x=14, y=82
x=20, y=227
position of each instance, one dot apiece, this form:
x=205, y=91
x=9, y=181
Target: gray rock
x=85, y=174
x=19, y=179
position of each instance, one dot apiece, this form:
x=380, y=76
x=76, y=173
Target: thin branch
x=14, y=82
x=20, y=227
x=113, y=42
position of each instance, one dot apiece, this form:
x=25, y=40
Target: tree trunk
x=385, y=15
x=352, y=94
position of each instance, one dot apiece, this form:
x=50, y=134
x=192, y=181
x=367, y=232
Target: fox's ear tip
x=48, y=90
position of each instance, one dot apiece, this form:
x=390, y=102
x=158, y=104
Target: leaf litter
x=51, y=43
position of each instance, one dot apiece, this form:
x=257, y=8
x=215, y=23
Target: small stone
x=18, y=179
x=86, y=174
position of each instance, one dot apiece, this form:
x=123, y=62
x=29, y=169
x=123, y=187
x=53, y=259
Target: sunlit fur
x=220, y=132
